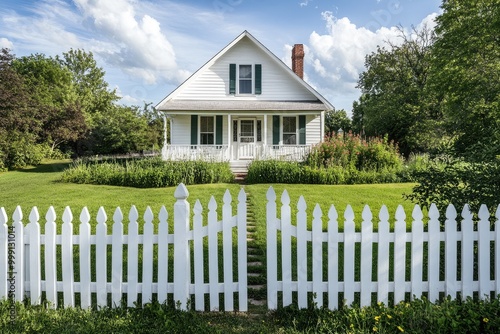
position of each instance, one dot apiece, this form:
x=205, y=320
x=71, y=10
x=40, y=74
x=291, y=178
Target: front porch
x=248, y=152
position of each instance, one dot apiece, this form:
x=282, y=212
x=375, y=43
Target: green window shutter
x=276, y=130
x=302, y=130
x=194, y=129
x=218, y=130
x=258, y=79
x=232, y=78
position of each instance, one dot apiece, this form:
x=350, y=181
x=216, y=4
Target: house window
x=259, y=130
x=289, y=130
x=245, y=79
x=207, y=130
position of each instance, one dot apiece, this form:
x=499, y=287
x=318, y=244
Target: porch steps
x=239, y=168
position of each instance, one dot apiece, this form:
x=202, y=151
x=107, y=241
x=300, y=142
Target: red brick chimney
x=298, y=60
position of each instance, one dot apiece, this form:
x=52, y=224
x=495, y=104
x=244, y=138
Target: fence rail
x=22, y=260
x=344, y=263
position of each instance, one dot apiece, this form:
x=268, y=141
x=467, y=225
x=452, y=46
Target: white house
x=244, y=104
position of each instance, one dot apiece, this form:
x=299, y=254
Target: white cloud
x=337, y=57
x=5, y=43
x=143, y=50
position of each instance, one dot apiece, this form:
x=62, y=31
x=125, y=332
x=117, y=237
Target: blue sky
x=147, y=48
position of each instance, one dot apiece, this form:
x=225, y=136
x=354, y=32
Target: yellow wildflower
x=389, y=316
x=401, y=329
x=375, y=329
x=486, y=319
x=377, y=318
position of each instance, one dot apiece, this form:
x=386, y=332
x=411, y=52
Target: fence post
x=4, y=239
x=182, y=277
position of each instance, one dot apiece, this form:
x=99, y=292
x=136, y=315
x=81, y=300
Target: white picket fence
x=425, y=252
x=442, y=261
x=21, y=256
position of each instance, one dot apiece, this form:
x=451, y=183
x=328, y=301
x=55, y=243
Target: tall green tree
x=336, y=120
x=20, y=123
x=395, y=100
x=466, y=73
x=55, y=99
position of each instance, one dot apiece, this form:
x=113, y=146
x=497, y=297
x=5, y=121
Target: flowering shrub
x=355, y=153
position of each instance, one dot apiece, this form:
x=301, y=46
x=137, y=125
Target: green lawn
x=40, y=186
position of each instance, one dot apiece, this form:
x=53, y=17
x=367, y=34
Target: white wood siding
x=313, y=129
x=181, y=130
x=213, y=84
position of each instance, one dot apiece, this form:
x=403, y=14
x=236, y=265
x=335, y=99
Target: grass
x=41, y=187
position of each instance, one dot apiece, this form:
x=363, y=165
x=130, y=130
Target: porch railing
x=223, y=153
x=196, y=152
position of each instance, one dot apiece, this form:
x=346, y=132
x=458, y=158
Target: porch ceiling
x=205, y=105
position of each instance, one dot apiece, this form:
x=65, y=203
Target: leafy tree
x=466, y=73
x=19, y=123
x=120, y=130
x=55, y=99
x=395, y=100
x=336, y=120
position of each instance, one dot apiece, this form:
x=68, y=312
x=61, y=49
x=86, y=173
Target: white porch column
x=229, y=137
x=265, y=135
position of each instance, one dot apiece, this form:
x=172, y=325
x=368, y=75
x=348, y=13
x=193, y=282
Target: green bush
x=459, y=183
x=147, y=173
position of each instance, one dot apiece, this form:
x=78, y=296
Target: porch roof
x=241, y=105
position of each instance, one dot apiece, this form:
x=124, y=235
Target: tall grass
x=147, y=173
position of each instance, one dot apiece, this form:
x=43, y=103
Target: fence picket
x=417, y=253
x=117, y=258
x=383, y=256
x=198, y=257
x=50, y=258
x=317, y=256
x=366, y=256
x=399, y=255
x=286, y=248
x=434, y=251
x=302, y=252
x=4, y=254
x=182, y=277
x=101, y=248
x=227, y=249
x=467, y=252
x=450, y=226
x=497, y=251
x=17, y=223
x=163, y=255
x=34, y=249
x=132, y=256
x=85, y=296
x=333, y=259
x=213, y=256
x=271, y=250
x=242, y=251
x=349, y=255
x=147, y=257
x=483, y=245
x=67, y=258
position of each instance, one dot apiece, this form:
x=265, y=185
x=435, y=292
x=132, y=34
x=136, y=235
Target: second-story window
x=245, y=79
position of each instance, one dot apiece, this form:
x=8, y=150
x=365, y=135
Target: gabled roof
x=169, y=102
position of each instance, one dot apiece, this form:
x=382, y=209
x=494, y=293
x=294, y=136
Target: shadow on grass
x=51, y=167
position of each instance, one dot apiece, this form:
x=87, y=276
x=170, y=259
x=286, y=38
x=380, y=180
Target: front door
x=246, y=139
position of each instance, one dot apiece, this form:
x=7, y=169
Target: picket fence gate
x=21, y=256
x=474, y=271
